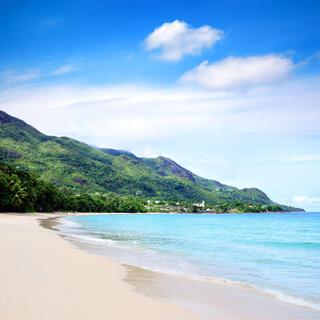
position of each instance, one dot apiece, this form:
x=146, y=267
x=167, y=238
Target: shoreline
x=170, y=296
x=277, y=303
x=45, y=277
x=70, y=214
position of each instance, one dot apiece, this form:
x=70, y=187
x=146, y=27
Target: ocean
x=277, y=254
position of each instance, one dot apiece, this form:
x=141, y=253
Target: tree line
x=22, y=191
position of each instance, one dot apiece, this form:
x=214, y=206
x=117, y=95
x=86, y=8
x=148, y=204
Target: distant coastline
x=47, y=173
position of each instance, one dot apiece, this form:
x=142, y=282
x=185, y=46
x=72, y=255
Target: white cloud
x=123, y=116
x=240, y=72
x=63, y=70
x=177, y=39
x=10, y=77
x=305, y=200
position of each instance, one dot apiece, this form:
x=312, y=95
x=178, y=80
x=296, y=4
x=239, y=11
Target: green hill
x=80, y=168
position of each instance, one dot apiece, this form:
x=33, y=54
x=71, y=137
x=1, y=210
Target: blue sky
x=229, y=89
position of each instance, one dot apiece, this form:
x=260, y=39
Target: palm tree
x=18, y=191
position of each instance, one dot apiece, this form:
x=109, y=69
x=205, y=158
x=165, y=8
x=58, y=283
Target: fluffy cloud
x=177, y=39
x=240, y=72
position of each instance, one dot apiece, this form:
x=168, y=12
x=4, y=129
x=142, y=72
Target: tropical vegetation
x=45, y=173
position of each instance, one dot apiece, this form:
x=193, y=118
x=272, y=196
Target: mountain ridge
x=76, y=166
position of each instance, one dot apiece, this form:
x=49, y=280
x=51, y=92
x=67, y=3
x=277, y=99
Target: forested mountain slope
x=74, y=165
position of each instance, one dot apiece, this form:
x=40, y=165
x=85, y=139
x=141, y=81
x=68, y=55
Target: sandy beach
x=44, y=277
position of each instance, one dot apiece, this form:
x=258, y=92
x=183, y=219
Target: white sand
x=43, y=277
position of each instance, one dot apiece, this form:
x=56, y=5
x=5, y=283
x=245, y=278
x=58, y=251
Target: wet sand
x=212, y=301
x=44, y=277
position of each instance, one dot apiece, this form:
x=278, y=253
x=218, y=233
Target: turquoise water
x=276, y=253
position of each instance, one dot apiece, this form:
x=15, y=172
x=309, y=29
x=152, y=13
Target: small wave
x=273, y=293
x=65, y=223
x=75, y=231
x=87, y=238
x=290, y=299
